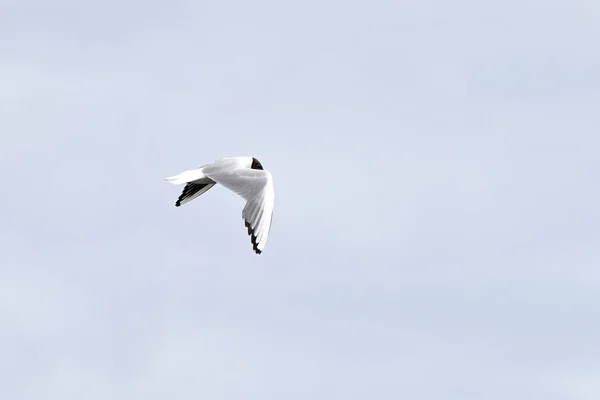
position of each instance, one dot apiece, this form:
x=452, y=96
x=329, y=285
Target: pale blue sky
x=436, y=231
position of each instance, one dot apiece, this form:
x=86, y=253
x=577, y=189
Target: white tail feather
x=186, y=176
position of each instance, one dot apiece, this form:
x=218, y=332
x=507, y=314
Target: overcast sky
x=436, y=231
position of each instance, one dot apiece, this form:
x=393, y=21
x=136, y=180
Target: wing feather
x=192, y=190
x=254, y=186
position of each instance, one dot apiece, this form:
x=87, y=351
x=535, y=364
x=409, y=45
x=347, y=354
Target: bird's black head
x=256, y=164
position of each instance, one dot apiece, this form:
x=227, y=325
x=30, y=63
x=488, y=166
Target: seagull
x=246, y=177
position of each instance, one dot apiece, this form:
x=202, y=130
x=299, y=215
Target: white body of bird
x=244, y=176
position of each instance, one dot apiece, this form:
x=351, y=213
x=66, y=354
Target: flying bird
x=246, y=177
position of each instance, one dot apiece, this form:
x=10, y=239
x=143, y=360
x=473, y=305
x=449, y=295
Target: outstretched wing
x=258, y=215
x=254, y=186
x=193, y=190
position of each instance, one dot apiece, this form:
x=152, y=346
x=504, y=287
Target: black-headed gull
x=244, y=176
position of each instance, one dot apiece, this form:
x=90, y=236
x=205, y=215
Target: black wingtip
x=190, y=190
x=252, y=238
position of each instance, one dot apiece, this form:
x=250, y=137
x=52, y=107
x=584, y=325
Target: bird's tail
x=186, y=176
